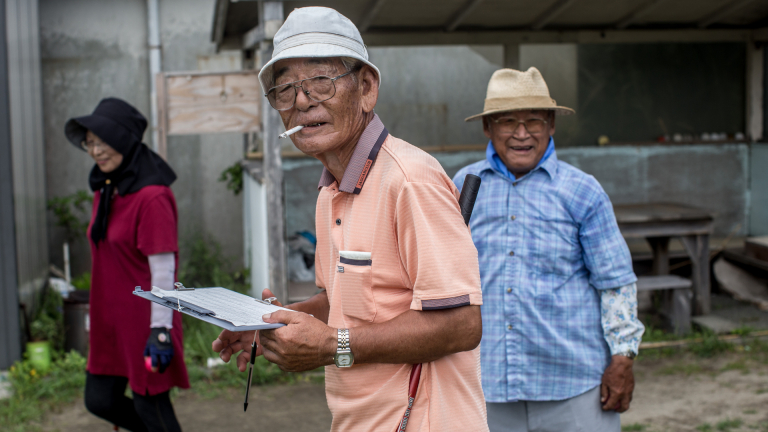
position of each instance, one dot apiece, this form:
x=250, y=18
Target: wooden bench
x=677, y=296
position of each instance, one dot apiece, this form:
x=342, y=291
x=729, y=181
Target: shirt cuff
x=621, y=327
x=162, y=267
x=447, y=303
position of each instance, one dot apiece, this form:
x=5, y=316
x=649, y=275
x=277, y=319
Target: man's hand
x=618, y=384
x=305, y=343
x=229, y=343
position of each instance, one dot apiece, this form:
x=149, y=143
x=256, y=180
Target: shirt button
x=512, y=253
x=509, y=290
x=513, y=217
x=338, y=221
x=514, y=184
x=509, y=327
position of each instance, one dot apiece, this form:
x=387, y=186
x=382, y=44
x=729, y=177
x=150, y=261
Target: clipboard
x=199, y=312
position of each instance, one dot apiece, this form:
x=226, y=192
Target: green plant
x=706, y=427
x=48, y=323
x=206, y=266
x=34, y=394
x=82, y=282
x=728, y=424
x=743, y=331
x=72, y=213
x=233, y=176
x=44, y=328
x=709, y=345
x=634, y=427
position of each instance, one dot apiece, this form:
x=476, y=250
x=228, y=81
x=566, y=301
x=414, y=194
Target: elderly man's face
x=333, y=123
x=520, y=147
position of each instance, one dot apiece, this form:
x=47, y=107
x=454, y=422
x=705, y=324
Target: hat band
x=322, y=39
x=520, y=102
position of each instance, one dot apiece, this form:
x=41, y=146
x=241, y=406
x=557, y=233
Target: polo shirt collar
x=548, y=161
x=365, y=154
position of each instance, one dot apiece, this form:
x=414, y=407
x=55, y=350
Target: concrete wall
x=711, y=176
x=758, y=217
x=92, y=49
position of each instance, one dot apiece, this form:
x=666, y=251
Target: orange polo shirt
x=396, y=202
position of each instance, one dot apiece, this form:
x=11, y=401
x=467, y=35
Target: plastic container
x=39, y=355
x=77, y=323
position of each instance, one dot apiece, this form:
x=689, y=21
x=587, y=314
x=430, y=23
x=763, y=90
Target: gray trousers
x=577, y=414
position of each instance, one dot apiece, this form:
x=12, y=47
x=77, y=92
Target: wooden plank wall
x=211, y=103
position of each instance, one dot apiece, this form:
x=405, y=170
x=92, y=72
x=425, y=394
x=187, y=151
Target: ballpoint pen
x=250, y=373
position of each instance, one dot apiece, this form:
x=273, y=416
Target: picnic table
x=657, y=223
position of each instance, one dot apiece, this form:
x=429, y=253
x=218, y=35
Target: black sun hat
x=115, y=121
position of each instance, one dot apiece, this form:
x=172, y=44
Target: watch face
x=343, y=360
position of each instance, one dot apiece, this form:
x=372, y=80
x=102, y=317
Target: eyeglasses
x=88, y=146
x=510, y=124
x=319, y=89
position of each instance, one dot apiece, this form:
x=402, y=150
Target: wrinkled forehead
x=308, y=65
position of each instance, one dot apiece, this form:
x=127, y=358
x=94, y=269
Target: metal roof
x=392, y=17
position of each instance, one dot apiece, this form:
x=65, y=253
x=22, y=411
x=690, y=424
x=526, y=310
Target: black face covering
x=121, y=126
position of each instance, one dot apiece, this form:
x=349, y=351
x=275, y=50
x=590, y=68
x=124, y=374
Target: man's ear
x=552, y=123
x=486, y=127
x=369, y=86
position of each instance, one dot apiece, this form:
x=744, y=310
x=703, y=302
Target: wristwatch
x=343, y=357
x=629, y=354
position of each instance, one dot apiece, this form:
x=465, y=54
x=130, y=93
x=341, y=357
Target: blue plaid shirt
x=547, y=242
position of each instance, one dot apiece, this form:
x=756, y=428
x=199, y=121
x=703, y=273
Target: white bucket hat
x=315, y=32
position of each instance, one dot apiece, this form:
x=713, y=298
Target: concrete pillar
x=755, y=90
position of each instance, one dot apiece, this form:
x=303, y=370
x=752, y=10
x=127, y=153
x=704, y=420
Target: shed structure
x=250, y=25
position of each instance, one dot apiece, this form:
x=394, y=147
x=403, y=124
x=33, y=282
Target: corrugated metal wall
x=22, y=110
x=10, y=347
x=24, y=85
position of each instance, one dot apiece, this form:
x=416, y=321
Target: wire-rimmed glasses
x=90, y=145
x=510, y=124
x=319, y=89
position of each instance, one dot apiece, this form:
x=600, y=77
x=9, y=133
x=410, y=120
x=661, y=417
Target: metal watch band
x=629, y=354
x=343, y=337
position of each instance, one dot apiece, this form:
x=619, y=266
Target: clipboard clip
x=267, y=301
x=180, y=287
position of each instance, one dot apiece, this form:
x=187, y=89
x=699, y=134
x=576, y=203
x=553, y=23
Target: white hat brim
x=315, y=50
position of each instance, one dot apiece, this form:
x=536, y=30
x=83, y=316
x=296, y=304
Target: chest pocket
x=555, y=250
x=355, y=280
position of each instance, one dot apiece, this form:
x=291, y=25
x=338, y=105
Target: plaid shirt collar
x=548, y=164
x=366, y=151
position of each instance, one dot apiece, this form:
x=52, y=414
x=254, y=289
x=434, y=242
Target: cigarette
x=290, y=132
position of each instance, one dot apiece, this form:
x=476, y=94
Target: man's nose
x=303, y=101
x=521, y=132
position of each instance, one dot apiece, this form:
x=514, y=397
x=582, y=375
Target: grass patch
x=739, y=365
x=728, y=424
x=35, y=394
x=709, y=345
x=682, y=368
x=635, y=427
x=706, y=427
x=750, y=411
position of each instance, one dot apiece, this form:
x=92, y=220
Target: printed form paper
x=238, y=309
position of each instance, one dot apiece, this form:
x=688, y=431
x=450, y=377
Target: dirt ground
x=673, y=394
x=294, y=407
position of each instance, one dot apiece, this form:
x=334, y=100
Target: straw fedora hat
x=513, y=90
